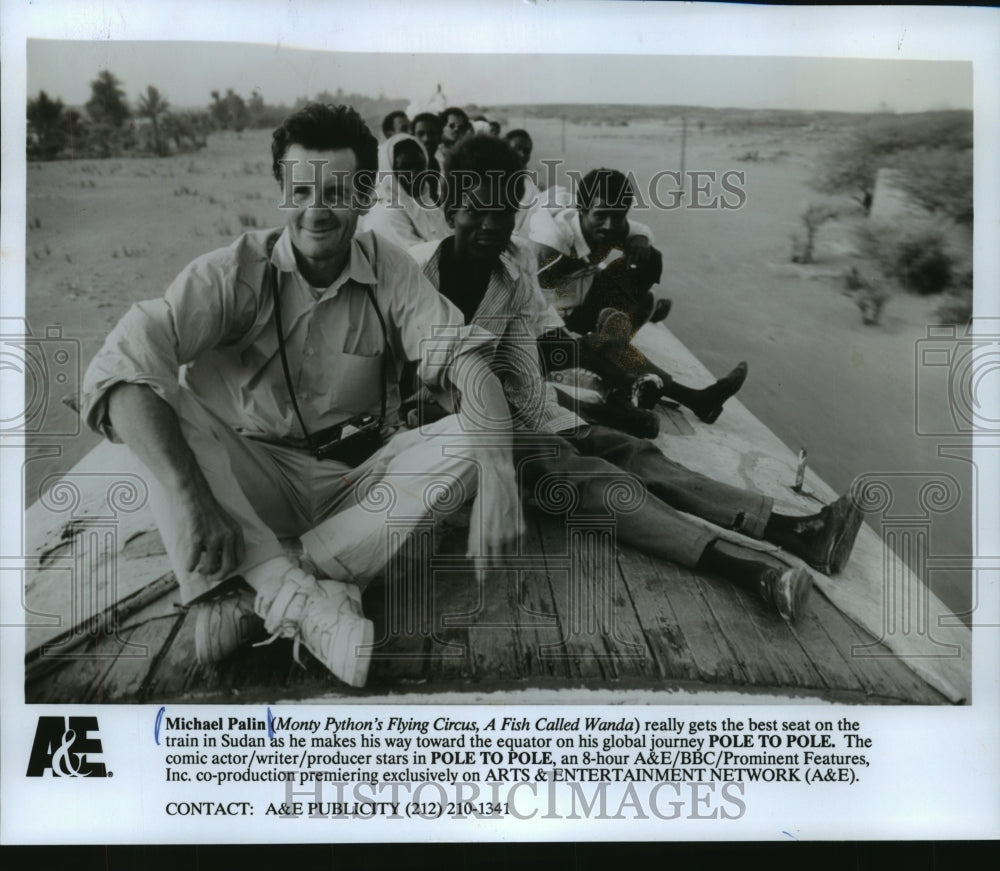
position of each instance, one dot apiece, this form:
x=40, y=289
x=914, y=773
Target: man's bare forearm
x=150, y=428
x=209, y=540
x=483, y=404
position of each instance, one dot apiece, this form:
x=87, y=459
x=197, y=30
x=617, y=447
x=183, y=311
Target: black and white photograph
x=504, y=384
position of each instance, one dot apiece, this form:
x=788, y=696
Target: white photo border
x=940, y=767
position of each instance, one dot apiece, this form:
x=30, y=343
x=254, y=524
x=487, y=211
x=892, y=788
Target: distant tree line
x=109, y=126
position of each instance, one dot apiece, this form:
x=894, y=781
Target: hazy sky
x=187, y=71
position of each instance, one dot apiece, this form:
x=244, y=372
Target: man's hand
x=211, y=542
x=497, y=519
x=497, y=522
x=637, y=252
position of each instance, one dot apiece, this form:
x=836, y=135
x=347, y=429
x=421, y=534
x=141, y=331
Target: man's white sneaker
x=325, y=616
x=223, y=624
x=228, y=621
x=337, y=636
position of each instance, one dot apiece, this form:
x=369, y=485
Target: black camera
x=351, y=442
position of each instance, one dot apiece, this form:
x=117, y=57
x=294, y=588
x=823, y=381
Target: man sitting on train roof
x=583, y=235
x=262, y=394
x=575, y=246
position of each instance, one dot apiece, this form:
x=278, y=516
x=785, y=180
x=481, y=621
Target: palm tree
x=152, y=105
x=107, y=101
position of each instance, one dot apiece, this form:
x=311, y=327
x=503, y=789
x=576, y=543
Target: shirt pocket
x=342, y=385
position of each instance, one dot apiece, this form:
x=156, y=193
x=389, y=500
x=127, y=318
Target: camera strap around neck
x=284, y=354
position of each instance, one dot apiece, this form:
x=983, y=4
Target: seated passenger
x=531, y=201
x=581, y=265
x=486, y=274
x=395, y=122
x=577, y=255
x=262, y=395
x=455, y=125
x=427, y=128
x=405, y=212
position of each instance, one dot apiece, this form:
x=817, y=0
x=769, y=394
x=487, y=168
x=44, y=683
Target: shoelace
x=293, y=629
x=289, y=629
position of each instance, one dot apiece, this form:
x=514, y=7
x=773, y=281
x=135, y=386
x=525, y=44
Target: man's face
x=429, y=135
x=455, y=127
x=483, y=226
x=327, y=204
x=400, y=124
x=522, y=148
x=408, y=162
x=602, y=224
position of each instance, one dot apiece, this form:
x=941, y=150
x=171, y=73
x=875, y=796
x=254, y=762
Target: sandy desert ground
x=102, y=234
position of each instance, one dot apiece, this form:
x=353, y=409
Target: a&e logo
x=66, y=746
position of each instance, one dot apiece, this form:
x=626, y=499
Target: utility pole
x=684, y=137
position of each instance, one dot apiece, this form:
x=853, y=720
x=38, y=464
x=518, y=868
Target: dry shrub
x=915, y=252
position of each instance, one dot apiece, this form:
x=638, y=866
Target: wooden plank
x=124, y=681
x=673, y=421
x=600, y=635
x=709, y=650
x=151, y=600
x=90, y=540
x=668, y=645
x=403, y=609
x=538, y=610
x=889, y=674
x=723, y=604
x=108, y=669
x=71, y=679
x=816, y=643
x=514, y=621
x=758, y=636
x=860, y=592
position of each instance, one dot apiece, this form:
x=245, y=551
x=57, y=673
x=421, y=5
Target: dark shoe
x=660, y=310
x=714, y=397
x=826, y=540
x=787, y=591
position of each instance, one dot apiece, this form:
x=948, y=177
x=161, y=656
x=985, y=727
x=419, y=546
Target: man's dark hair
x=452, y=110
x=389, y=122
x=613, y=188
x=426, y=118
x=483, y=156
x=518, y=134
x=325, y=127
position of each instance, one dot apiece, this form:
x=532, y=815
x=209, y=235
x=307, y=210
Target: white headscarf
x=426, y=222
x=387, y=152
